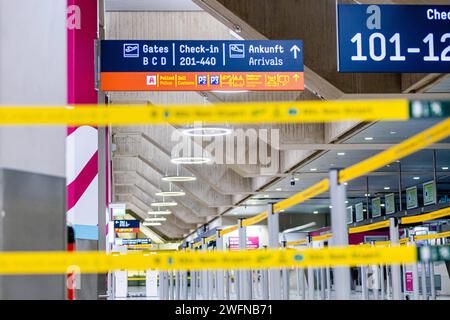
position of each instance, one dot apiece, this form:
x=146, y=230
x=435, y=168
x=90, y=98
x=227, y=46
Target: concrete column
x=396, y=274
x=33, y=62
x=274, y=273
x=340, y=234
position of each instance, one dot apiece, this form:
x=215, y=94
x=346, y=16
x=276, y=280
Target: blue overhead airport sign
x=133, y=65
x=124, y=226
x=393, y=38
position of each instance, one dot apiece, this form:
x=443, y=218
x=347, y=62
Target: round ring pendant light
x=206, y=131
x=151, y=223
x=190, y=160
x=160, y=212
x=179, y=178
x=170, y=194
x=155, y=219
x=164, y=204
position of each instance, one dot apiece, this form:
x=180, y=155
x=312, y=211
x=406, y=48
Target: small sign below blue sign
x=393, y=38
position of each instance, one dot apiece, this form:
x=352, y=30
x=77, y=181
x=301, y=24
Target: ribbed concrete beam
x=150, y=180
x=159, y=161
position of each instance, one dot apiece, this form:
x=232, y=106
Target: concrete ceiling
x=143, y=153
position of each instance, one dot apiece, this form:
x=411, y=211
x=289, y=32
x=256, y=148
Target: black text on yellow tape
x=95, y=262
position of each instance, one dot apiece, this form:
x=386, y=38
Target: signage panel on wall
x=376, y=207
x=125, y=226
x=411, y=198
x=393, y=38
x=252, y=243
x=349, y=215
x=429, y=193
x=133, y=242
x=138, y=65
x=389, y=203
x=359, y=213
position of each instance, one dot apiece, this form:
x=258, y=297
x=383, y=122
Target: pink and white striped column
x=82, y=142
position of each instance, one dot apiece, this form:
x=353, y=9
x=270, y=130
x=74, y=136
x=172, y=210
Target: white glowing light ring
x=206, y=132
x=190, y=160
x=164, y=204
x=155, y=219
x=152, y=224
x=162, y=212
x=170, y=194
x=179, y=178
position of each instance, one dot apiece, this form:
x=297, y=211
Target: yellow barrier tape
x=368, y=227
x=268, y=112
x=312, y=191
x=295, y=243
x=250, y=221
x=197, y=245
x=211, y=238
x=433, y=236
x=409, y=146
x=427, y=216
x=403, y=241
x=228, y=230
x=322, y=237
x=95, y=262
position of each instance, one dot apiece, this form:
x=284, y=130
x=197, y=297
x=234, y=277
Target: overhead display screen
x=201, y=65
x=393, y=38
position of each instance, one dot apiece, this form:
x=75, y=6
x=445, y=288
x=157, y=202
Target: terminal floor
x=138, y=293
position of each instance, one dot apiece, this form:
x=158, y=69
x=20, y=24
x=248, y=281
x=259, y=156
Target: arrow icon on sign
x=295, y=49
x=296, y=77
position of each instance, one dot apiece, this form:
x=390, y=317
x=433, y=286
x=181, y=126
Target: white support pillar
x=285, y=273
x=301, y=283
x=383, y=292
x=424, y=281
x=322, y=283
x=265, y=283
x=364, y=289
x=227, y=284
x=388, y=282
x=310, y=273
x=245, y=287
x=171, y=285
x=340, y=234
x=274, y=273
x=193, y=282
x=204, y=274
x=177, y=285
x=220, y=273
x=415, y=274
x=328, y=276
x=432, y=283
x=396, y=274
